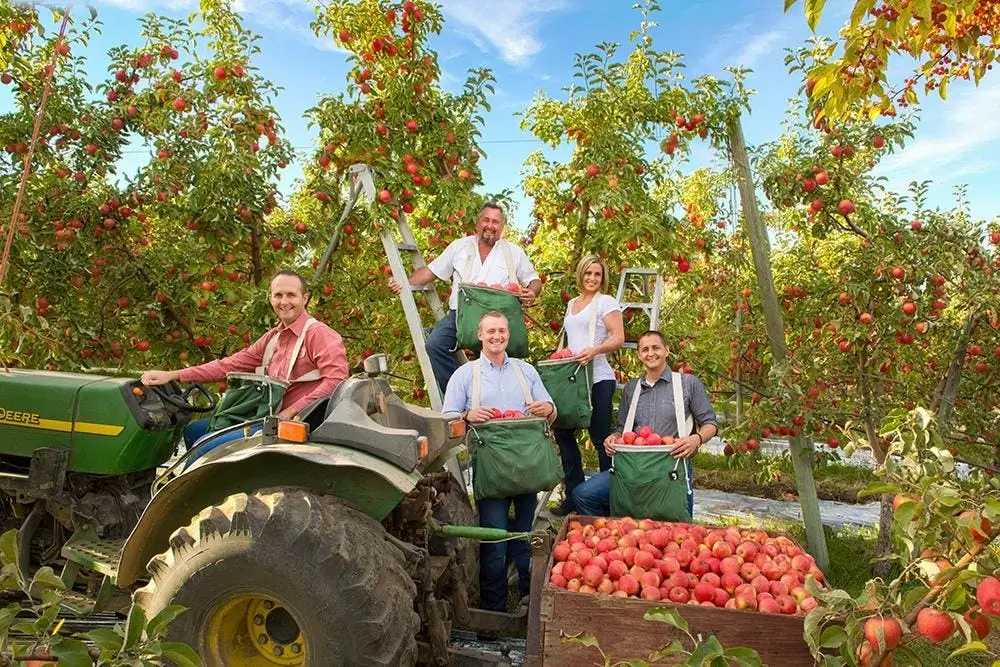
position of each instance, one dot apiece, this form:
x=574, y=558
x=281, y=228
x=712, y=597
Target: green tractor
x=331, y=541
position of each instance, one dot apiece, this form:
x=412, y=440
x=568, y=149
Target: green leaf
x=673, y=648
x=8, y=547
x=7, y=616
x=814, y=9
x=877, y=489
x=789, y=4
x=971, y=647
x=134, y=626
x=832, y=637
x=47, y=578
x=706, y=651
x=180, y=654
x=582, y=639
x=667, y=615
x=104, y=638
x=158, y=625
x=71, y=652
x=741, y=655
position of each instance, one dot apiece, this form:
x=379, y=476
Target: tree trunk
x=255, y=252
x=883, y=544
x=944, y=403
x=801, y=455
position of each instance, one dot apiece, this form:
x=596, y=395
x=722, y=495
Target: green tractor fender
x=370, y=484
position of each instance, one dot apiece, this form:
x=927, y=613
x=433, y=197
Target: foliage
x=941, y=547
x=107, y=260
x=704, y=652
x=135, y=643
x=949, y=39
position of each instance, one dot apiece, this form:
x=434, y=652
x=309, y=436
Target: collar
x=664, y=377
x=505, y=364
x=296, y=326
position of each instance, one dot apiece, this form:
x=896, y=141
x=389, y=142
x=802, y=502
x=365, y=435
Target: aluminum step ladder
x=641, y=282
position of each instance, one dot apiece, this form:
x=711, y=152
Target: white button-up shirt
x=454, y=263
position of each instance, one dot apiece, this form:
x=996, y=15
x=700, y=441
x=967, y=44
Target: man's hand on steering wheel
x=154, y=378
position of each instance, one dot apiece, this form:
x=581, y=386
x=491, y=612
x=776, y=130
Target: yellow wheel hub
x=253, y=631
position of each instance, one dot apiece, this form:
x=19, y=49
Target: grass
x=834, y=481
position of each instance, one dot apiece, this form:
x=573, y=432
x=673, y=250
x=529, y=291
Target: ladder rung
x=632, y=345
x=421, y=288
x=640, y=272
x=407, y=247
x=633, y=306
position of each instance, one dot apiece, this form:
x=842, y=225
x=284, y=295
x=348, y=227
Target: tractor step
x=94, y=554
x=78, y=604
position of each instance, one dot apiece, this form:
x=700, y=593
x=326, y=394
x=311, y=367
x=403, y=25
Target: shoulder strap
x=630, y=417
x=511, y=273
x=521, y=381
x=684, y=426
x=477, y=369
x=311, y=375
x=470, y=262
x=593, y=320
x=269, y=349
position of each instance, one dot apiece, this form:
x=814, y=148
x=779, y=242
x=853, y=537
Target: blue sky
x=529, y=44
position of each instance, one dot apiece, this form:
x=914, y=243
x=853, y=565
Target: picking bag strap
x=684, y=426
x=477, y=382
x=295, y=355
x=593, y=321
x=521, y=381
x=509, y=259
x=630, y=416
x=469, y=263
x=269, y=349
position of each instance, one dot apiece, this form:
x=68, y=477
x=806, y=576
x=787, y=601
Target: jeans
x=593, y=497
x=600, y=428
x=440, y=346
x=196, y=430
x=493, y=556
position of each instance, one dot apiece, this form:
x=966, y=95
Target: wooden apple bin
x=624, y=634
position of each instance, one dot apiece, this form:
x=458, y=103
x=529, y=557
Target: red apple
x=934, y=624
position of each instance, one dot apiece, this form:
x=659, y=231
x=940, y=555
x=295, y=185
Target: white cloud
x=759, y=45
x=510, y=27
x=737, y=46
x=963, y=128
x=292, y=16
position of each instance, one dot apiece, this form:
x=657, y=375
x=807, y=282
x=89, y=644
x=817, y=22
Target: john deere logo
x=18, y=417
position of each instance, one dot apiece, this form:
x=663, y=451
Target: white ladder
x=649, y=279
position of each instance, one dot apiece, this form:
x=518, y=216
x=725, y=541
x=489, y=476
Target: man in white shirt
x=483, y=257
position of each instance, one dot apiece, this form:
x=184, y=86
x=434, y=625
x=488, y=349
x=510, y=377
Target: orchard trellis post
x=760, y=249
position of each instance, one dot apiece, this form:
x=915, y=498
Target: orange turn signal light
x=456, y=428
x=423, y=446
x=293, y=431
x=137, y=391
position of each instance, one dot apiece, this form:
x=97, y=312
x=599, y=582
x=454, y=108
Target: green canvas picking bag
x=474, y=301
x=256, y=395
x=569, y=383
x=511, y=456
x=648, y=482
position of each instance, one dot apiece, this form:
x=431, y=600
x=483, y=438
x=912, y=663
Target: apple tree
x=420, y=142
x=949, y=40
x=164, y=263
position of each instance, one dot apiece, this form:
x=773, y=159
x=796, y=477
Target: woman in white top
x=609, y=335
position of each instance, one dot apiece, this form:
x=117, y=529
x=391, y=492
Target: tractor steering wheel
x=182, y=399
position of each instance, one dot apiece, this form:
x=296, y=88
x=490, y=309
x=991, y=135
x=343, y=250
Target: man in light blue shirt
x=500, y=388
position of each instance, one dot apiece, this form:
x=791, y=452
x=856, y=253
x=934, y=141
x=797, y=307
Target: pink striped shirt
x=322, y=349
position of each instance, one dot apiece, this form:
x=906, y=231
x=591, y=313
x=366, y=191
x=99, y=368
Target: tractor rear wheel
x=285, y=577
